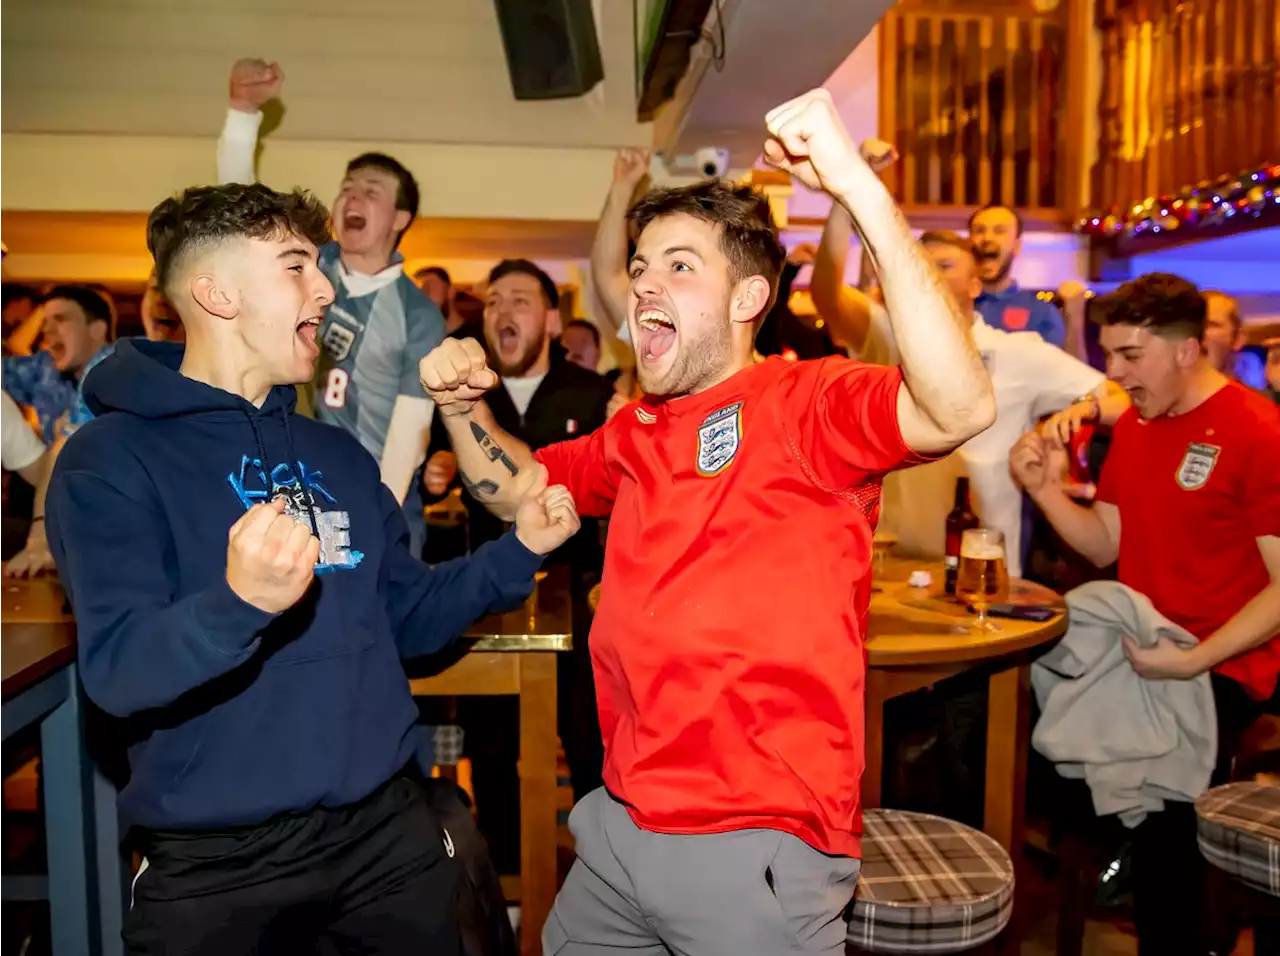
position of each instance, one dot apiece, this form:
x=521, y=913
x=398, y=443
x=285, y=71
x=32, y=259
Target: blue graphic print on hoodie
x=238, y=715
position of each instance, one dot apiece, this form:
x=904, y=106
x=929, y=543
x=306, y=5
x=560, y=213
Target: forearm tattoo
x=479, y=490
x=491, y=448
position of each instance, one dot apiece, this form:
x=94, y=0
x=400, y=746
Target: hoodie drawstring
x=293, y=463
x=297, y=465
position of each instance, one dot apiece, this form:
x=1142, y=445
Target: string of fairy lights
x=1204, y=207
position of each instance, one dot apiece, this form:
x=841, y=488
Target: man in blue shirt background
x=996, y=232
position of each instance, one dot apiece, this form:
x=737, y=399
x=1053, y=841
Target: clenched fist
x=629, y=167
x=456, y=375
x=271, y=558
x=253, y=83
x=442, y=468
x=808, y=139
x=1038, y=462
x=547, y=517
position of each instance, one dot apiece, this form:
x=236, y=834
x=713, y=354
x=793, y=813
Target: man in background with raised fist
x=245, y=595
x=379, y=324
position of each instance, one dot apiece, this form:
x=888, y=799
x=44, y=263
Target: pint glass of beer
x=983, y=577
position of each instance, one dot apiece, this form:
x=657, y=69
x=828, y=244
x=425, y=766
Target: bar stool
x=928, y=885
x=1238, y=830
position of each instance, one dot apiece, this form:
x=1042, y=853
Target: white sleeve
x=1059, y=378
x=406, y=447
x=21, y=445
x=879, y=347
x=236, y=146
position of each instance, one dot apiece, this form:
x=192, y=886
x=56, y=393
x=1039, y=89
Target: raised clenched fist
x=547, y=517
x=456, y=375
x=808, y=139
x=629, y=167
x=442, y=468
x=271, y=557
x=254, y=82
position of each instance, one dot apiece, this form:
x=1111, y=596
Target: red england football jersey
x=1195, y=492
x=728, y=644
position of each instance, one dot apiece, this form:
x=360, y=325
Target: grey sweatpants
x=742, y=893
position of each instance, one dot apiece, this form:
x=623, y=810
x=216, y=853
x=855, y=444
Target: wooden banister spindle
x=890, y=56
x=912, y=125
x=1008, y=112
x=1033, y=112
x=985, y=30
x=933, y=184
x=959, y=81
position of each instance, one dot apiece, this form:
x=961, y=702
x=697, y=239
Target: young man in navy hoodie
x=244, y=595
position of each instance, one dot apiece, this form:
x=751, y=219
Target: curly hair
x=1168, y=305
x=204, y=216
x=748, y=236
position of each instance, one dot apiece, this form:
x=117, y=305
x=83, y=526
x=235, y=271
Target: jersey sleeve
x=843, y=416
x=424, y=330
x=21, y=445
x=237, y=145
x=1261, y=495
x=1115, y=468
x=1059, y=378
x=588, y=467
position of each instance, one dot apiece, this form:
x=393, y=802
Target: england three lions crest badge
x=718, y=439
x=1197, y=465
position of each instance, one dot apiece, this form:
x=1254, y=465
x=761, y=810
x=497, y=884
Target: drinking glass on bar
x=983, y=577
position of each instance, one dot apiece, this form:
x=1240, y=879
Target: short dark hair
x=92, y=303
x=17, y=292
x=945, y=237
x=584, y=324
x=1234, y=315
x=1168, y=305
x=509, y=267
x=407, y=196
x=748, y=237
x=206, y=215
x=440, y=272
x=996, y=205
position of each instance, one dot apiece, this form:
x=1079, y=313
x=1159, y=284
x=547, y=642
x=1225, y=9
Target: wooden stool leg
x=1074, y=872
x=538, y=745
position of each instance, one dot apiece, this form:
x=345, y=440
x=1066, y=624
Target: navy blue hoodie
x=238, y=714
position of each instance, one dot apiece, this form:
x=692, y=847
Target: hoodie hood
x=142, y=377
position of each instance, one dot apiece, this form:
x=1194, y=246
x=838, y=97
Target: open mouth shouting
x=508, y=334
x=306, y=332
x=353, y=222
x=657, y=333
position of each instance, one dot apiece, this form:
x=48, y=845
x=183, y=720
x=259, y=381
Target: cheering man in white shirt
x=1031, y=377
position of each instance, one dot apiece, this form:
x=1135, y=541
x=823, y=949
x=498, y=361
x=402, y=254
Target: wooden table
x=85, y=885
x=912, y=643
x=515, y=653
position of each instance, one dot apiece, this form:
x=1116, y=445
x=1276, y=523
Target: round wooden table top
x=918, y=626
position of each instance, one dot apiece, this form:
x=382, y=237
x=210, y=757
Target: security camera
x=711, y=161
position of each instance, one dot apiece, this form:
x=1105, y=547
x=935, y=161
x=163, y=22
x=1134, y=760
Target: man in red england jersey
x=728, y=643
x=1193, y=480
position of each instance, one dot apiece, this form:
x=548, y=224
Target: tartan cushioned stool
x=928, y=885
x=1239, y=832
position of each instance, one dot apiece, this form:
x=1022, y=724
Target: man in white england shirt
x=1031, y=377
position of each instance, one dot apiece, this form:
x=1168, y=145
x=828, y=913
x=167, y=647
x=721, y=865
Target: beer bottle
x=959, y=521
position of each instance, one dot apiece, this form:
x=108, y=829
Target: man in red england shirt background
x=1189, y=503
x=728, y=642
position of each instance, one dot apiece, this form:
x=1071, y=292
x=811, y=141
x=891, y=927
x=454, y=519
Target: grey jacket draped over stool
x=1135, y=742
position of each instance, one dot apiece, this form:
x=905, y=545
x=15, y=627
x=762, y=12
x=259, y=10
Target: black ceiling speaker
x=551, y=47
